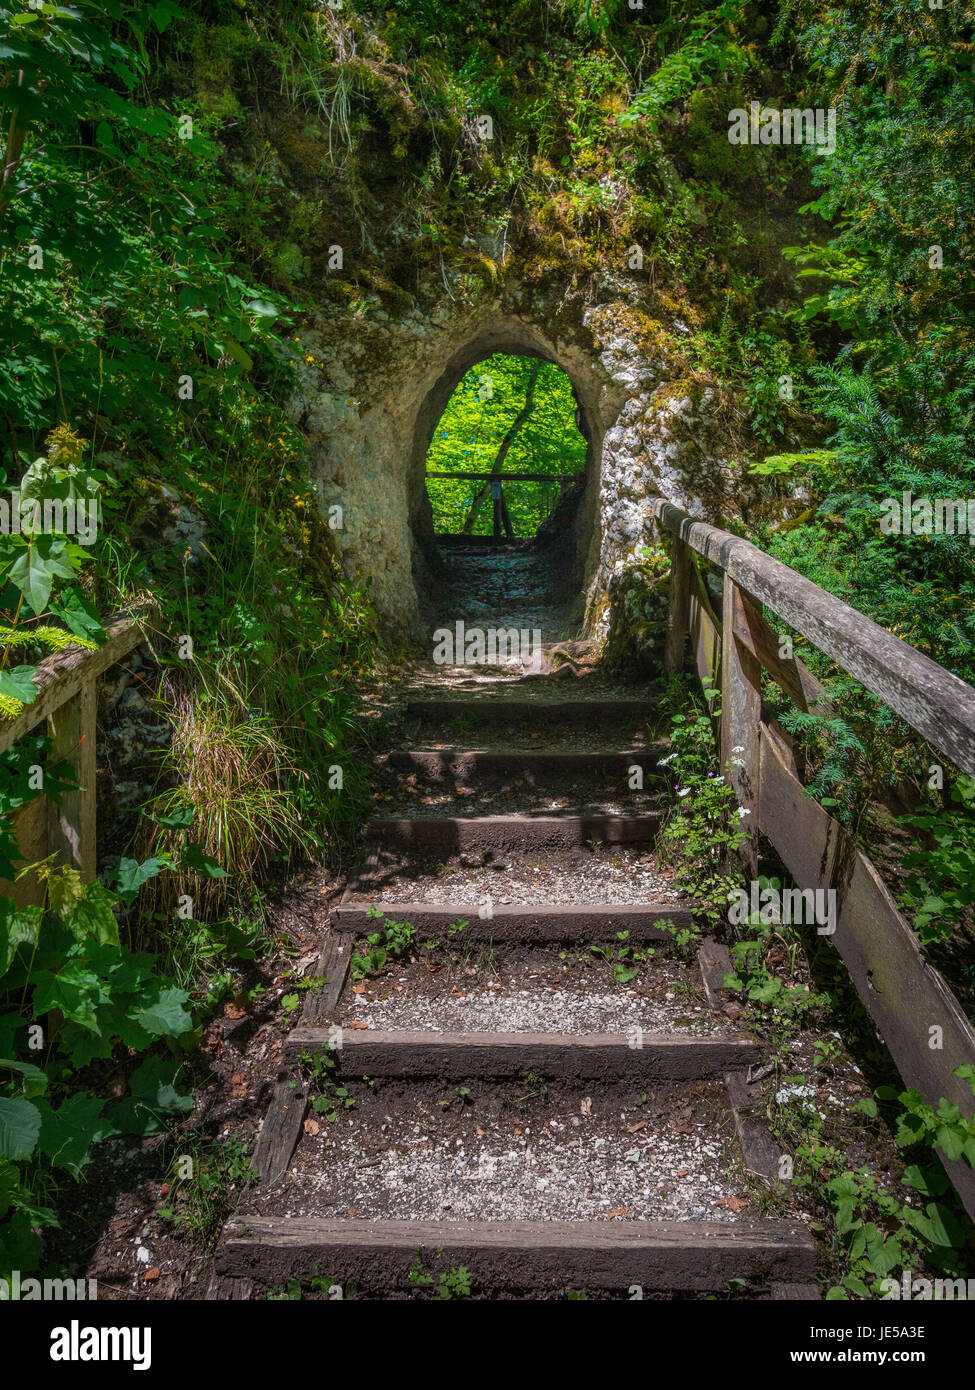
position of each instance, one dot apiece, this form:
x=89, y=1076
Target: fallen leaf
x=355, y=1023
x=234, y=1010
x=617, y=1214
x=586, y=1107
x=640, y=1124
x=150, y=1275
x=312, y=1127
x=737, y=1203
x=238, y=1078
x=358, y=989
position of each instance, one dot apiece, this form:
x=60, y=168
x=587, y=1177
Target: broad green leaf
x=18, y=684
x=166, y=1017
x=20, y=1124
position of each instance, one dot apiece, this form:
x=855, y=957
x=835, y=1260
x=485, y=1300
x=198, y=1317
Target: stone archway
x=504, y=334
x=369, y=404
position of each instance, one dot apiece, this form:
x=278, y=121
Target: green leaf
x=132, y=875
x=194, y=858
x=74, y=989
x=68, y=1133
x=166, y=1017
x=18, y=684
x=20, y=1124
x=93, y=915
x=154, y=1097
x=17, y=929
x=35, y=1078
x=177, y=820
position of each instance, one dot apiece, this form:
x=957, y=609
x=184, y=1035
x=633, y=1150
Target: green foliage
x=882, y=1233
x=450, y=1284
x=475, y=422
x=71, y=994
x=788, y=1006
x=704, y=827
x=394, y=939
x=940, y=886
x=201, y=1200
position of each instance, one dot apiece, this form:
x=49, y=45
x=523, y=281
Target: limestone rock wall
x=372, y=391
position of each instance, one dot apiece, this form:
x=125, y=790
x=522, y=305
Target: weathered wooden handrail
x=933, y=701
x=919, y=1018
x=66, y=700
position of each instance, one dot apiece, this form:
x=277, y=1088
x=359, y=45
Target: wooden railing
x=917, y=1015
x=66, y=703
x=502, y=522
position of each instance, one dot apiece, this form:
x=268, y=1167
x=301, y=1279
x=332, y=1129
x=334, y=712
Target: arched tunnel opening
x=506, y=452
x=504, y=484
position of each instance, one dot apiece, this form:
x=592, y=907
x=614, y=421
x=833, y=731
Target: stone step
x=609, y=1057
x=604, y=1255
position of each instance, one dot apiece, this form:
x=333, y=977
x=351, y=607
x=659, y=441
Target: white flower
x=664, y=761
x=743, y=812
x=685, y=792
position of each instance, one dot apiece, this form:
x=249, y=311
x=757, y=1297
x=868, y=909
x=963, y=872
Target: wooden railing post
x=72, y=824
x=679, y=609
x=741, y=706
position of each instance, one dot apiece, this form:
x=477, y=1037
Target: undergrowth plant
x=394, y=939
x=703, y=829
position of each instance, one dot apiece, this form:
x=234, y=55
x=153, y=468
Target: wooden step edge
x=521, y=924
x=512, y=711
x=528, y=759
x=609, y=1057
x=505, y=833
x=608, y=1255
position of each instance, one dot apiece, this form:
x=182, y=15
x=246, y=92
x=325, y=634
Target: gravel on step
x=540, y=990
x=519, y=1152
x=607, y=874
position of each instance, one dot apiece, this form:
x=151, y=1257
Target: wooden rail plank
x=790, y=673
x=679, y=599
x=705, y=640
x=905, y=997
x=933, y=701
x=62, y=675
x=741, y=711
